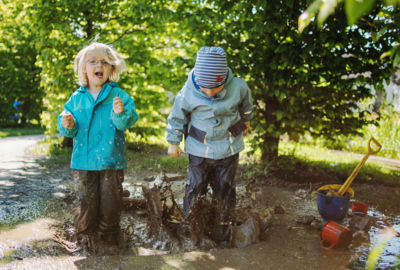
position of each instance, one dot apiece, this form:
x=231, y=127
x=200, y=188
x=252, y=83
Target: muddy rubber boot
x=222, y=235
x=116, y=239
x=186, y=236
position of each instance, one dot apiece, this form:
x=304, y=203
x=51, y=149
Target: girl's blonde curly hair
x=110, y=55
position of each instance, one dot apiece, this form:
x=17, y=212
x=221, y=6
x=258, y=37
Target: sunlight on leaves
x=355, y=9
x=326, y=9
x=306, y=16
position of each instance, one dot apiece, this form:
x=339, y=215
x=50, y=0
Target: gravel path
x=25, y=187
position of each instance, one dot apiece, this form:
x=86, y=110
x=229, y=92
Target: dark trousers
x=223, y=172
x=99, y=202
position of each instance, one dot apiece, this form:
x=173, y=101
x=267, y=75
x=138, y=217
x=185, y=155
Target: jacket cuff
x=118, y=115
x=247, y=117
x=175, y=143
x=69, y=132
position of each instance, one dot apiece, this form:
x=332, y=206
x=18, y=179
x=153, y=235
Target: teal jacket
x=99, y=139
x=212, y=126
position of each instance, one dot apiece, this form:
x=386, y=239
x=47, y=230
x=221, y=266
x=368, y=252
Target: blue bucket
x=332, y=207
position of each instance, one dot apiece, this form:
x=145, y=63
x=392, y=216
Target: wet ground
x=288, y=245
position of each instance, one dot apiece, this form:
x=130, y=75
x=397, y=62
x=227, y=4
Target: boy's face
x=97, y=73
x=212, y=91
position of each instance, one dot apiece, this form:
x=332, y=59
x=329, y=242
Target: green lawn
x=20, y=131
x=324, y=159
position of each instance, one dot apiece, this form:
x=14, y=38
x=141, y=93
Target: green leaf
x=391, y=2
x=376, y=36
x=326, y=9
x=289, y=3
x=396, y=59
x=278, y=115
x=281, y=96
x=305, y=18
x=355, y=9
x=385, y=54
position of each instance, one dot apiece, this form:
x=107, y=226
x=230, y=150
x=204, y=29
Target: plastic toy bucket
x=334, y=235
x=358, y=207
x=332, y=207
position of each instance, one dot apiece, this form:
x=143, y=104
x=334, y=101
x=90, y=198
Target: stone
x=305, y=219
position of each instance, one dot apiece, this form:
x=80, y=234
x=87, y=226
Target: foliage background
x=308, y=83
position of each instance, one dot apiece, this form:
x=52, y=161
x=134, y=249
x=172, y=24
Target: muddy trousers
x=222, y=173
x=99, y=202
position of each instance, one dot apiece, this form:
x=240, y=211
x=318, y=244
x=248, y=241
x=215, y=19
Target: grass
x=51, y=148
x=140, y=156
x=21, y=131
x=388, y=128
x=323, y=159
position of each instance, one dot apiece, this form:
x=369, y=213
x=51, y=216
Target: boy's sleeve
x=246, y=106
x=129, y=116
x=178, y=120
x=71, y=133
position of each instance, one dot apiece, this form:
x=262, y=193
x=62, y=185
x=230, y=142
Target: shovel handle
x=370, y=151
x=346, y=185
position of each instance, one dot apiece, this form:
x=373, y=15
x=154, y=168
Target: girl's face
x=97, y=69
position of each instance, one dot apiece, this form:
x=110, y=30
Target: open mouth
x=99, y=75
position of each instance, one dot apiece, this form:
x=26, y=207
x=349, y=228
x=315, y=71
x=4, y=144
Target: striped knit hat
x=211, y=69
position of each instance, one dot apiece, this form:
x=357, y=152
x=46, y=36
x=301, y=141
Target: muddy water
x=289, y=245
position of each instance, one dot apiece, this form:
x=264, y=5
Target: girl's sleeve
x=71, y=133
x=246, y=105
x=178, y=119
x=129, y=116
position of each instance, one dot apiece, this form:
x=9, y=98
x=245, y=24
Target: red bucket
x=335, y=235
x=357, y=207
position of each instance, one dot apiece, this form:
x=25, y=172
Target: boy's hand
x=118, y=105
x=68, y=121
x=174, y=151
x=247, y=129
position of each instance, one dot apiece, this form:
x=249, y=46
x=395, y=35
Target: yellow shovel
x=346, y=185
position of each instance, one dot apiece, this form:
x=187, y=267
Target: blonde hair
x=110, y=55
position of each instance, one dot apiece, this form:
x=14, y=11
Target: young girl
x=96, y=116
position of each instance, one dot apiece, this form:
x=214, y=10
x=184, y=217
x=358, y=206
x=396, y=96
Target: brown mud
x=269, y=209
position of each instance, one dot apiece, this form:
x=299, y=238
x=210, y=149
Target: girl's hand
x=174, y=151
x=247, y=129
x=118, y=105
x=68, y=121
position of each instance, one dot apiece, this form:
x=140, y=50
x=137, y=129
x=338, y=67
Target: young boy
x=96, y=116
x=214, y=110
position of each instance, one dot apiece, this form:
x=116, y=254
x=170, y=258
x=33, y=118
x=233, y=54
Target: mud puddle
x=287, y=244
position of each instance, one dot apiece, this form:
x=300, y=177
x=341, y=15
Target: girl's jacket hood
x=212, y=125
x=99, y=140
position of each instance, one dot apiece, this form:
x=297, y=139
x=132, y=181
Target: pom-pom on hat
x=211, y=69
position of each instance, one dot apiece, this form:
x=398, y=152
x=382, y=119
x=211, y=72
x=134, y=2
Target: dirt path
x=13, y=160
x=289, y=245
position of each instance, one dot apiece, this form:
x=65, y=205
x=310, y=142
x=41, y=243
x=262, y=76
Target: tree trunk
x=270, y=147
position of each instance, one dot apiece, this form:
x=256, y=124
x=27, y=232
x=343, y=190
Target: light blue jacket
x=99, y=139
x=205, y=120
